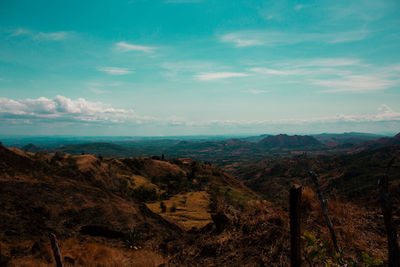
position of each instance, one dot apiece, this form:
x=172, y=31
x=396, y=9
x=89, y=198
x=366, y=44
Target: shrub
x=173, y=208
x=163, y=207
x=133, y=238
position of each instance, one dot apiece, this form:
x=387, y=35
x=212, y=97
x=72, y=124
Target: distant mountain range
x=227, y=151
x=287, y=141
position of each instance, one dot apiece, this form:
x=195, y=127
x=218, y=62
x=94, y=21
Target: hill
x=353, y=176
x=99, y=148
x=285, y=141
x=85, y=200
x=345, y=138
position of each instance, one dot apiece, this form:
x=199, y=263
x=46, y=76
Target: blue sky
x=183, y=67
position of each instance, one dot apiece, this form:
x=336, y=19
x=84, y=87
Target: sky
x=192, y=67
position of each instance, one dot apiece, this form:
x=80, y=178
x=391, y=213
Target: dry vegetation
x=221, y=222
x=190, y=210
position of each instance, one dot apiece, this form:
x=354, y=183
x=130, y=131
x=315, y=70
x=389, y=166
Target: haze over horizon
x=199, y=67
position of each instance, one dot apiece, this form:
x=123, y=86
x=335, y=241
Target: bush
x=173, y=208
x=163, y=207
x=133, y=238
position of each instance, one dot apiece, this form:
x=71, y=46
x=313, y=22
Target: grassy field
x=188, y=210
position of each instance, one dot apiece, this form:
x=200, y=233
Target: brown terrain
x=181, y=212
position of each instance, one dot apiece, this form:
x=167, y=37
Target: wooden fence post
x=386, y=205
x=56, y=250
x=295, y=229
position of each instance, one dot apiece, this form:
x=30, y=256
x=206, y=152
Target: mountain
x=345, y=138
x=287, y=141
x=255, y=139
x=379, y=143
x=31, y=148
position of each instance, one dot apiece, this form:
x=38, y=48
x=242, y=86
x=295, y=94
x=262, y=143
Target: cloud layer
x=61, y=109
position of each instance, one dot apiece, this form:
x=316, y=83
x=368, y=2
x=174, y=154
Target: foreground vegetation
x=150, y=211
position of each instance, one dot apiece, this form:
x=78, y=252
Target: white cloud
x=208, y=76
x=299, y=7
x=256, y=91
x=270, y=38
x=268, y=71
x=190, y=67
x=125, y=47
x=384, y=114
x=52, y=36
x=322, y=62
x=356, y=83
x=65, y=110
x=240, y=41
x=62, y=108
x=115, y=70
x=20, y=31
x=42, y=36
x=333, y=75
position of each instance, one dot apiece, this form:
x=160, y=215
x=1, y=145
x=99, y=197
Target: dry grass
x=307, y=198
x=86, y=162
x=356, y=227
x=142, y=181
x=91, y=255
x=192, y=209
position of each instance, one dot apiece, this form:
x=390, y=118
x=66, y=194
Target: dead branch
x=324, y=206
x=56, y=250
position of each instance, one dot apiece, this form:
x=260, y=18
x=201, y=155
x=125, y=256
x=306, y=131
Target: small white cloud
x=115, y=70
x=257, y=92
x=208, y=76
x=51, y=36
x=268, y=71
x=20, y=31
x=240, y=41
x=42, y=36
x=125, y=47
x=97, y=91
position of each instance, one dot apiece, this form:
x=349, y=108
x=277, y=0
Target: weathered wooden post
x=386, y=205
x=56, y=250
x=295, y=229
